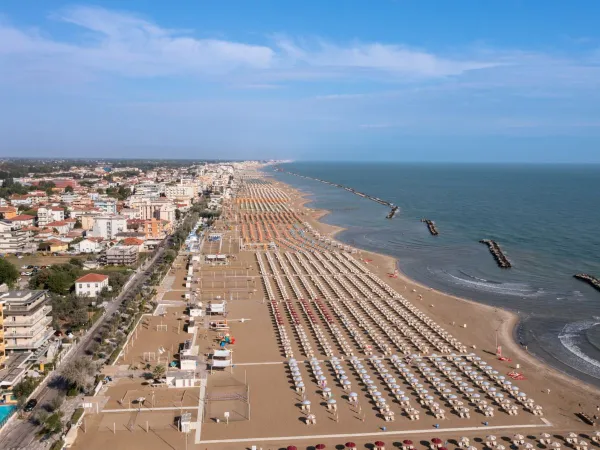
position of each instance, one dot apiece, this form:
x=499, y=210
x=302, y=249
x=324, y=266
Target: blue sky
x=352, y=80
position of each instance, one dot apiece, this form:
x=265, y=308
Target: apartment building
x=155, y=228
x=15, y=240
x=49, y=214
x=107, y=206
x=122, y=255
x=160, y=208
x=26, y=320
x=186, y=191
x=107, y=226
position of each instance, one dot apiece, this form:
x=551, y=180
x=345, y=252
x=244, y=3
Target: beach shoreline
x=509, y=321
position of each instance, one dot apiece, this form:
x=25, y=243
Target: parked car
x=30, y=405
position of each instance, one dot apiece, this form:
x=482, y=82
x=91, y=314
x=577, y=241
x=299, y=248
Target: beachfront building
x=91, y=284
x=26, y=320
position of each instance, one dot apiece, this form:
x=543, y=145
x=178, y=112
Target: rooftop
x=92, y=278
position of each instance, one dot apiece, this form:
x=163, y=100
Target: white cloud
x=132, y=46
x=396, y=59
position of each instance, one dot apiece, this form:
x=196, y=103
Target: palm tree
x=159, y=372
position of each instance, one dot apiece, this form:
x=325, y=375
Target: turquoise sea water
x=546, y=219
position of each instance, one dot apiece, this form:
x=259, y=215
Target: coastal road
x=21, y=434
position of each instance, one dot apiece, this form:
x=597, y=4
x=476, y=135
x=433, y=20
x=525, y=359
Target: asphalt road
x=21, y=434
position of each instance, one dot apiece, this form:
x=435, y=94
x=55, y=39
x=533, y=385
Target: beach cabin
x=215, y=259
x=220, y=359
x=181, y=379
x=218, y=308
x=196, y=310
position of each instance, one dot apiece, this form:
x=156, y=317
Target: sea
x=546, y=218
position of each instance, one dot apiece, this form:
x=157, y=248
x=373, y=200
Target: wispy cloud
x=128, y=45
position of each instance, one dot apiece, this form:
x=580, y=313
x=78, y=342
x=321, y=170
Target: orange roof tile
x=92, y=278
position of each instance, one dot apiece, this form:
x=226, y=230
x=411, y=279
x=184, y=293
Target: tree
x=170, y=256
x=56, y=402
x=53, y=423
x=24, y=388
x=78, y=372
x=8, y=273
x=159, y=372
x=76, y=262
x=78, y=224
x=69, y=189
x=177, y=214
x=60, y=282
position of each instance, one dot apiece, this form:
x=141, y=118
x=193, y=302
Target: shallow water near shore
x=545, y=218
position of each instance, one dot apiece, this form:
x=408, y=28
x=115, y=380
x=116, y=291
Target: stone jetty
x=589, y=279
x=391, y=214
x=431, y=226
x=497, y=252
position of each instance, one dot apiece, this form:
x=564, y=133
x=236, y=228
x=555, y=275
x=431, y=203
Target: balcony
x=23, y=321
x=39, y=328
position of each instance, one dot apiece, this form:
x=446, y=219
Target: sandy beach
x=326, y=331
x=485, y=323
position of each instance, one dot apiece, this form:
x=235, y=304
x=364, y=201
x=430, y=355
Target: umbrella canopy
x=436, y=440
x=292, y=447
x=320, y=446
x=572, y=435
x=518, y=436
x=500, y=447
x=545, y=435
x=491, y=438
x=350, y=445
x=529, y=445
x=407, y=442
x=379, y=443
x=555, y=445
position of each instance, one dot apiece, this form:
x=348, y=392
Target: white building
x=87, y=246
x=91, y=285
x=14, y=240
x=107, y=226
x=26, y=319
x=48, y=214
x=109, y=206
x=181, y=190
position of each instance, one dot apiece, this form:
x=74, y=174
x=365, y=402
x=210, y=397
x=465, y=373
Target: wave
x=479, y=279
x=592, y=336
x=481, y=284
x=569, y=337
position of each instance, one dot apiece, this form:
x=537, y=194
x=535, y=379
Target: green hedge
x=76, y=415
